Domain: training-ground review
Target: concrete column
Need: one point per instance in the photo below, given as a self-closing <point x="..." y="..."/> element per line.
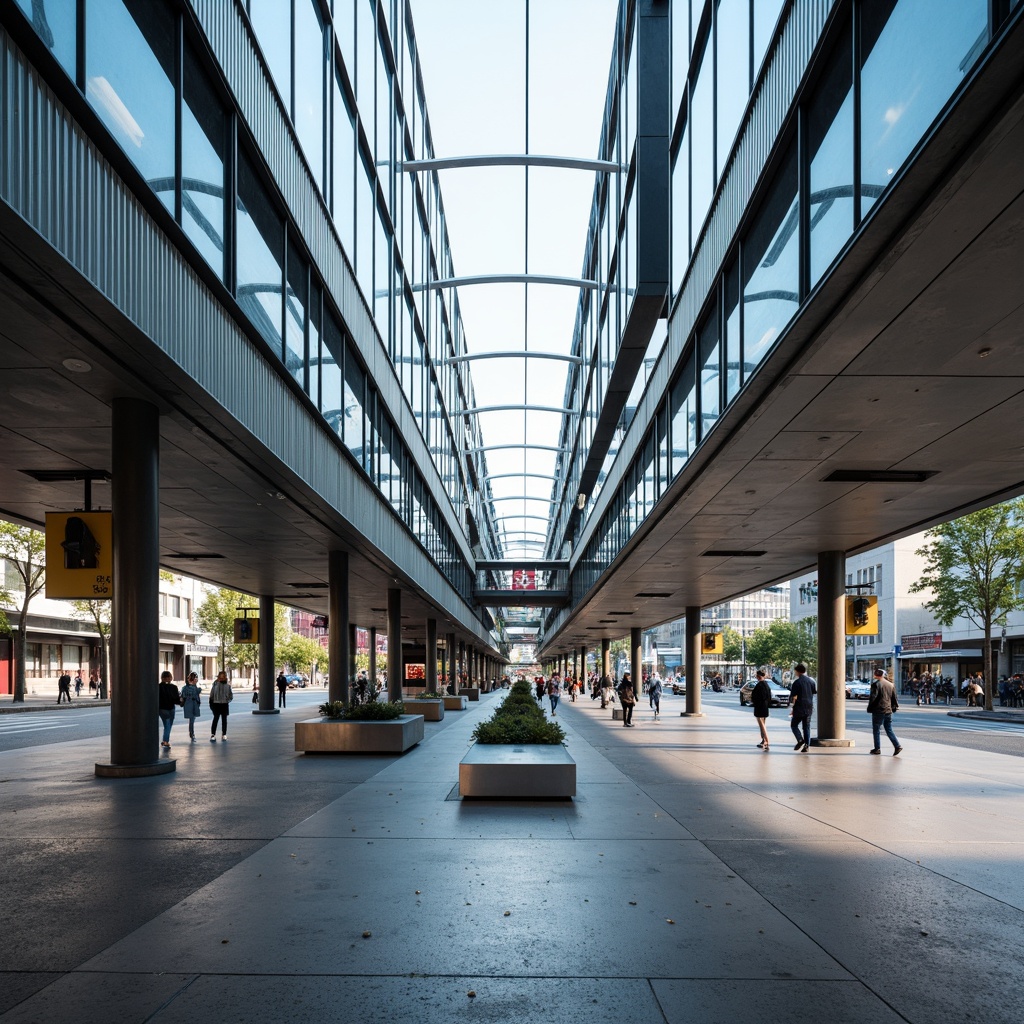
<point x="692" y="657"/>
<point x="452" y="652"/>
<point x="350" y="671"/>
<point x="372" y="671"/>
<point x="135" y="503"/>
<point x="606" y="658"/>
<point x="267" y="676"/>
<point x="636" y="658"/>
<point x="339" y="656"/>
<point x="471" y="665"/>
<point x="583" y="666"/>
<point x="394" y="643"/>
<point x="431" y="679"/>
<point x="831" y="702"/>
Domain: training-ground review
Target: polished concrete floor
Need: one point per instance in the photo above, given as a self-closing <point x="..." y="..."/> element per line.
<point x="693" y="879"/>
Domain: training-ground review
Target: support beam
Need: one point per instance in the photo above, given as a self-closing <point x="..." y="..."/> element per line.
<point x="574" y="163"/>
<point x="453" y="684"/>
<point x="431" y="673"/>
<point x="832" y="650"/>
<point x="394" y="643"/>
<point x="135" y="503"/>
<point x="692" y="656"/>
<point x="338" y="655"/>
<point x="636" y="659"/>
<point x="606" y="659"/>
<point x="267" y="677"/>
<point x="372" y="674"/>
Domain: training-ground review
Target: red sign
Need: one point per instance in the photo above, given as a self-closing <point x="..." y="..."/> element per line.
<point x="524" y="579"/>
<point x="921" y="642"/>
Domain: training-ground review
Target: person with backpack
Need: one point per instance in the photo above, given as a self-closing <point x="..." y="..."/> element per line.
<point x="627" y="697"/>
<point x="554" y="692"/>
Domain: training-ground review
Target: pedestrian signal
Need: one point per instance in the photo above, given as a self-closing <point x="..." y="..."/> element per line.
<point x="711" y="643"/>
<point x="861" y="615"/>
<point x="247" y="631"/>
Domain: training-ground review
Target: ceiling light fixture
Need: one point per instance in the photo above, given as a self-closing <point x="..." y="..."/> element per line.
<point x="76" y="365"/>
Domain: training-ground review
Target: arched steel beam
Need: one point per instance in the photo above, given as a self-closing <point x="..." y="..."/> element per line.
<point x="462" y="282"/>
<point x="522" y="515"/>
<point x="514" y="354"/>
<point x="515" y="408"/>
<point x="499" y="447"/>
<point x="505" y="476"/>
<point x="523" y="497"/>
<point x="573" y="163"/>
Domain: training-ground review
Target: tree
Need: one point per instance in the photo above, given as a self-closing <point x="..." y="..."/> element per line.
<point x="25" y="551"/>
<point x="732" y="644"/>
<point x="300" y="652"/>
<point x="98" y="614"/>
<point x="783" y="643"/>
<point x="217" y="614"/>
<point x="974" y="567"/>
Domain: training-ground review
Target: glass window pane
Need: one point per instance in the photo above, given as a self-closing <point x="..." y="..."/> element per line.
<point x="684" y="418"/>
<point x="260" y="241"/>
<point x="271" y="23"/>
<point x="766" y="17"/>
<point x="296" y="301"/>
<point x="310" y="72"/>
<point x="345" y="31"/>
<point x="355" y="417"/>
<point x="365" y="220"/>
<point x="830" y="151"/>
<point x="702" y="164"/>
<point x="56" y="24"/>
<point x="382" y="280"/>
<point x="332" y="358"/>
<point x="681" y="212"/>
<point x="344" y="199"/>
<point x="680" y="51"/>
<point x="733" y="376"/>
<point x="913" y="61"/>
<point x="203" y="143"/>
<point x="130" y="83"/>
<point x="313" y="360"/>
<point x="384" y="119"/>
<point x="710" y="375"/>
<point x="366" y="46"/>
<point x="770" y="266"/>
<point x="732" y="40"/>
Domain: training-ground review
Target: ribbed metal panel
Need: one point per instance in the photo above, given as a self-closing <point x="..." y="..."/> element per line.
<point x="55" y="179"/>
<point x="774" y="97"/>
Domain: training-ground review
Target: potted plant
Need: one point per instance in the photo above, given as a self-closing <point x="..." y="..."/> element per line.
<point x="429" y="704"/>
<point x="372" y="727"/>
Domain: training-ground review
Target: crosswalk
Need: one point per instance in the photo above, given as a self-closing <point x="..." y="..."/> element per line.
<point x="34" y="722"/>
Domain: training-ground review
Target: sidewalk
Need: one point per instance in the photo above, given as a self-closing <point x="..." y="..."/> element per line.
<point x="693" y="879"/>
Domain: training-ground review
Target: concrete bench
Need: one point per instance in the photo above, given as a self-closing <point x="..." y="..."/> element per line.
<point x="518" y="771"/>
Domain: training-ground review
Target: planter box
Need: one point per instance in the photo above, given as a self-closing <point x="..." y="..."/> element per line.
<point x="517" y="771"/>
<point x="431" y="708"/>
<point x="455" y="703"/>
<point x="471" y="692"/>
<point x="323" y="735"/>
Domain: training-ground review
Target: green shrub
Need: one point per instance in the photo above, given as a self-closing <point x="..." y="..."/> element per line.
<point x="427" y="695"/>
<point x="375" y="711"/>
<point x="519" y="719"/>
<point x="333" y="709"/>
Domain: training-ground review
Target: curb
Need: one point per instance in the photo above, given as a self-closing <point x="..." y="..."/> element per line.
<point x="20" y="709"/>
<point x="989" y="716"/>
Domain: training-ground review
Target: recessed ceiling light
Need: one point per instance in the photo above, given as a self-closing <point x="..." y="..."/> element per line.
<point x="76" y="365"/>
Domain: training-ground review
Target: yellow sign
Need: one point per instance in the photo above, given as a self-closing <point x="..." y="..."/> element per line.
<point x="247" y="631"/>
<point x="79" y="555"/>
<point x="711" y="643"/>
<point x="861" y="615"/>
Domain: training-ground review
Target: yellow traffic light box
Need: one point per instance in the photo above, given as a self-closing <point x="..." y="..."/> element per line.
<point x="711" y="643"/>
<point x="861" y="615"/>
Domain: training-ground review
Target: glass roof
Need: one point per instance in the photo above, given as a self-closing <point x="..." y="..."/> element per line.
<point x="516" y="78"/>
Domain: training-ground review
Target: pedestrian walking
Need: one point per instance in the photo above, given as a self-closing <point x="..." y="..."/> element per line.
<point x="78" y="684"/>
<point x="882" y="704"/>
<point x="761" y="698"/>
<point x="190" y="702"/>
<point x="802" y="707"/>
<point x="627" y="698"/>
<point x="169" y="701"/>
<point x="64" y="687"/>
<point x="654" y="693"/>
<point x="282" y="690"/>
<point x="554" y="692"/>
<point x="221" y="696"/>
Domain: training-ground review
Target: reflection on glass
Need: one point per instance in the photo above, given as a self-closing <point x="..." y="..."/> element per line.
<point x="830" y="148"/>
<point x="310" y="71"/>
<point x="271" y="23"/>
<point x="332" y="357"/>
<point x="382" y="277"/>
<point x="344" y="199"/>
<point x="130" y="83"/>
<point x="56" y="24"/>
<point x="913" y="60"/>
<point x="680" y="51"/>
<point x="365" y="219"/>
<point x="355" y="417"/>
<point x="766" y="17"/>
<point x="732" y="35"/>
<point x="260" y="240"/>
<point x="710" y="374"/>
<point x="733" y="349"/>
<point x="203" y="138"/>
<point x="681" y="212"/>
<point x="313" y="386"/>
<point x="682" y="406"/>
<point x="296" y="300"/>
<point x="702" y="160"/>
<point x="771" y="267"/>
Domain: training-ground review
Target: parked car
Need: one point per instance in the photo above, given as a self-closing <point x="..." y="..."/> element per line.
<point x="678" y="685"/>
<point x="297" y="680"/>
<point x="780" y="694"/>
<point x="857" y="689"/>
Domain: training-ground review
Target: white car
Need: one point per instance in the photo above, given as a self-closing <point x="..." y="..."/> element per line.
<point x="780" y="694"/>
<point x="857" y="689"/>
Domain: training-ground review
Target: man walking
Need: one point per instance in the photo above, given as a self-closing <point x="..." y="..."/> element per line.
<point x="882" y="703"/>
<point x="802" y="707"/>
<point x="64" y="687"/>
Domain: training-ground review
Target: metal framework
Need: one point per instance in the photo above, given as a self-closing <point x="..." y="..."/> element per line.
<point x="523" y="497"/>
<point x="518" y="476"/>
<point x="516" y="408"/>
<point x="572" y="163"/>
<point x="517" y="353"/>
<point x="531" y="447"/>
<point x="462" y="282"/>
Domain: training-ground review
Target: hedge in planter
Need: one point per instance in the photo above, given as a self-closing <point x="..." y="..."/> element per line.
<point x="519" y="720"/>
<point x="371" y="711"/>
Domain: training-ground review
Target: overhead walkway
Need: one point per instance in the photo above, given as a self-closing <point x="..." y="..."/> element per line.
<point x="693" y="879"/>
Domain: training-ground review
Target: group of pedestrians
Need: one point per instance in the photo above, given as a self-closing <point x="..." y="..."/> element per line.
<point x="882" y="704"/>
<point x="189" y="699"/>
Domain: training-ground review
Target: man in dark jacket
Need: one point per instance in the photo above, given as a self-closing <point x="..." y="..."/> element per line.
<point x="802" y="704"/>
<point x="882" y="703"/>
<point x="282" y="690"/>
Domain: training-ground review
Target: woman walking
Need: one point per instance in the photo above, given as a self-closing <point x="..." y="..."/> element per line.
<point x="554" y="692"/>
<point x="761" y="698"/>
<point x="627" y="697"/>
<point x="169" y="699"/>
<point x="190" y="695"/>
<point x="220" y="696"/>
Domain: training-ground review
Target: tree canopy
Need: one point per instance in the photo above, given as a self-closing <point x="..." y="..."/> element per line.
<point x="974" y="568"/>
<point x="783" y="643"/>
<point x="216" y="616"/>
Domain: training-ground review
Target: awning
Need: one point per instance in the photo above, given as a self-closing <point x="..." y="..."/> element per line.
<point x="941" y="655"/>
